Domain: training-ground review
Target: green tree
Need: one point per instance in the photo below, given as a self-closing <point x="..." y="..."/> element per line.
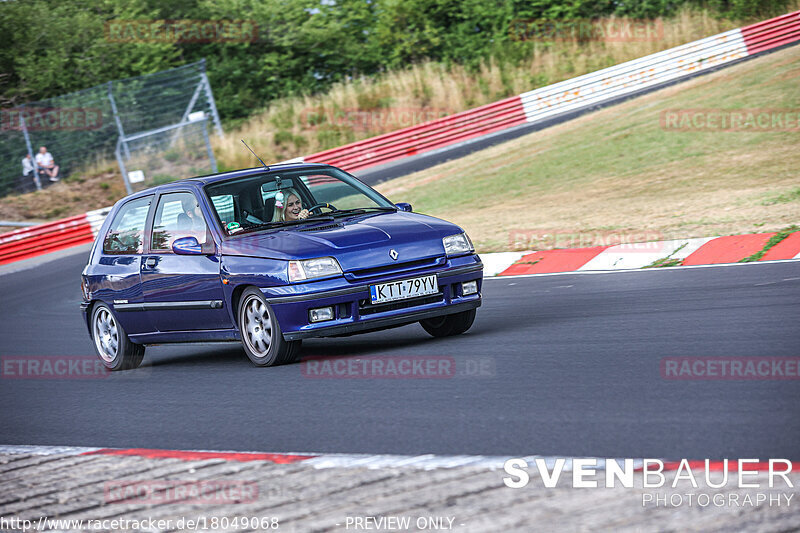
<point x="50" y="48"/>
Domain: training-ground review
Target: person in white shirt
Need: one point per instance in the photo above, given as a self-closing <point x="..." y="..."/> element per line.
<point x="27" y="165"/>
<point x="47" y="166"/>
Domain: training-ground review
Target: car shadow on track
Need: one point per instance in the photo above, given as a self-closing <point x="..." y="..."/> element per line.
<point x="193" y="355"/>
<point x="406" y="340"/>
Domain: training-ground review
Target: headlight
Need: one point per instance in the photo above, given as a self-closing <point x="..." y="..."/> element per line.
<point x="313" y="268"/>
<point x="457" y="244"/>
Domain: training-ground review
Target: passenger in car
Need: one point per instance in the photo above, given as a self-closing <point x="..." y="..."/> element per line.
<point x="191" y="219"/>
<point x="191" y="222"/>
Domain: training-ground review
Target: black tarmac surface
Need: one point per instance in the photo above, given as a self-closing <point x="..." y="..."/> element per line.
<point x="554" y="365"/>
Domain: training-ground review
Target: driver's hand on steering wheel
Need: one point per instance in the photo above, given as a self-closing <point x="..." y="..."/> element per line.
<point x="303" y="214"/>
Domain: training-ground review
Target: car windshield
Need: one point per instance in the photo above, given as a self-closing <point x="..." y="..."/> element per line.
<point x="277" y="199"/>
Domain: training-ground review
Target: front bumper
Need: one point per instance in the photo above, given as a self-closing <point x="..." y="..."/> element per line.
<point x="374" y="324"/>
<point x="354" y="313"/>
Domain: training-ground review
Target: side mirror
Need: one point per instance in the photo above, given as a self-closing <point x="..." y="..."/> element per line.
<point x="404" y="206"/>
<point x="187" y="246"/>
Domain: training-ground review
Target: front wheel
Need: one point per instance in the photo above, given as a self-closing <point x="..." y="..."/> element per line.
<point x="111" y="343"/>
<point x="261" y="334"/>
<point x="444" y="326"/>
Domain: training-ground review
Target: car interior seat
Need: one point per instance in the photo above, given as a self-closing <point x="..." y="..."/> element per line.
<point x="269" y="208"/>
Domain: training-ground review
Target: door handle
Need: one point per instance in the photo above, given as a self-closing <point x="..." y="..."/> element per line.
<point x="150" y="262"/>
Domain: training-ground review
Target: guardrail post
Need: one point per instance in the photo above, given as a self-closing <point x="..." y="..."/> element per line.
<point x="30" y="152"/>
<point x="128" y="188"/>
<point x="119" y="123"/>
<point x="200" y="87"/>
<point x="211" y="103"/>
<point x="208" y="147"/>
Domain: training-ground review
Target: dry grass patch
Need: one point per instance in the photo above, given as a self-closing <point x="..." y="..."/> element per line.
<point x="365" y="107"/>
<point x="73" y="196"/>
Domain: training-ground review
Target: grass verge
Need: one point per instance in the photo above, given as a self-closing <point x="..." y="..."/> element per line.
<point x="618" y="171"/>
<point x="668" y="261"/>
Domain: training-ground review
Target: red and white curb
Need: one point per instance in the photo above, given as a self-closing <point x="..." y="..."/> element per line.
<point x="316" y="460"/>
<point x="369" y="461"/>
<point x="27" y="243"/>
<point x="633" y="256"/>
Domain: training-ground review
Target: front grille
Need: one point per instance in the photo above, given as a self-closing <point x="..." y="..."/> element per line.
<point x="366" y="308"/>
<point x="396" y="268"/>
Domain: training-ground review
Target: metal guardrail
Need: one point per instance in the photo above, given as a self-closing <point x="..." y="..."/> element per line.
<point x="12" y="224"/>
<point x="567" y="96"/>
<point x="424" y="137"/>
<point x="50" y="237"/>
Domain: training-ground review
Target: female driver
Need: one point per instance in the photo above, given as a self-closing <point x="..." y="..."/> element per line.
<point x="288" y="206"/>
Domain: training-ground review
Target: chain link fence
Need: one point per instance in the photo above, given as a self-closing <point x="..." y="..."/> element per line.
<point x="166" y="154"/>
<point x="155" y="125"/>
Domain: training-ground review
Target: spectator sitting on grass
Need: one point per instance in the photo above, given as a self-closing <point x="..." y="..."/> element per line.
<point x="47" y="166"/>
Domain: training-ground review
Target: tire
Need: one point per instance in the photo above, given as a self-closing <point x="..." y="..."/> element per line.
<point x="447" y="325"/>
<point x="112" y="344"/>
<point x="261" y="334"/>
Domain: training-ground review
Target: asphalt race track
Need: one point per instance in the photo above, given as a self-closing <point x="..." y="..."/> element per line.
<point x="570" y="367"/>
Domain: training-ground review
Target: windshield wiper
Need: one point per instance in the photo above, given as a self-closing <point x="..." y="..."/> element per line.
<point x="269" y="225"/>
<point x="361" y="210"/>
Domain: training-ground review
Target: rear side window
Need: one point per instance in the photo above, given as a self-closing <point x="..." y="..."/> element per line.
<point x="126" y="234"/>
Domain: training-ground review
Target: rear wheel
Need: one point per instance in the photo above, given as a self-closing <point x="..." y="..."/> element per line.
<point x="444" y="326"/>
<point x="261" y="334"/>
<point x="111" y="343"/>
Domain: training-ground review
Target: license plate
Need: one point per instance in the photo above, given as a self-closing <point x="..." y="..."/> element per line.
<point x="403" y="289"/>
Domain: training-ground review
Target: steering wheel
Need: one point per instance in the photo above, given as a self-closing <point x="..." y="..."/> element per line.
<point x="320" y="206"/>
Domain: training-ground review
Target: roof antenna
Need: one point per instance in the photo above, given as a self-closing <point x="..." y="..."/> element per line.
<point x="252" y="152"/>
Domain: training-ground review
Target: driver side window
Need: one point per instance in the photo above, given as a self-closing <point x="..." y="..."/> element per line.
<point x="177" y="215"/>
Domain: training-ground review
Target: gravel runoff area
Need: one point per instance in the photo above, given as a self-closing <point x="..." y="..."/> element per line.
<point x="303" y="497"/>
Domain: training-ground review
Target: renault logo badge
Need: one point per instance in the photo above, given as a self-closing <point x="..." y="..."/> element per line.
<point x="393" y="254"/>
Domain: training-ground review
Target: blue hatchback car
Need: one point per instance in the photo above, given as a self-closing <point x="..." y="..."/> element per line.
<point x="270" y="256"/>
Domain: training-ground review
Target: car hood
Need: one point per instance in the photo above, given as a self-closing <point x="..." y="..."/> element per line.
<point x="357" y="242"/>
